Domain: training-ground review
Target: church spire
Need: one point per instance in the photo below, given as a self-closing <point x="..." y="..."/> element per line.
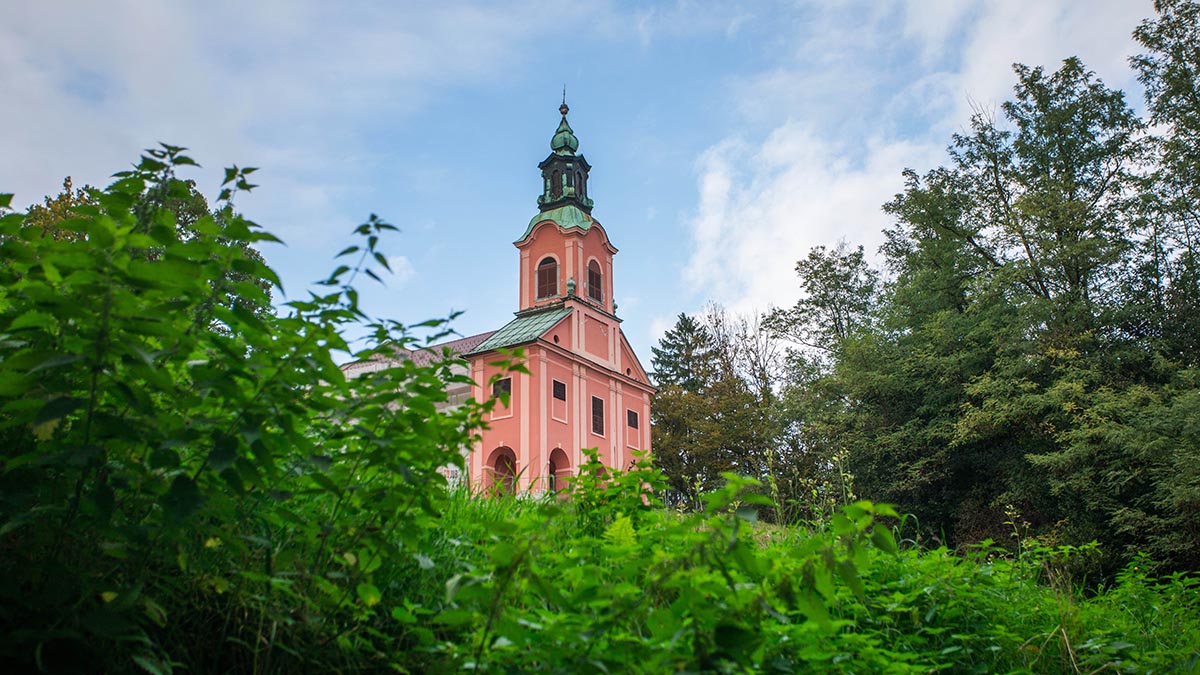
<point x="564" y="173"/>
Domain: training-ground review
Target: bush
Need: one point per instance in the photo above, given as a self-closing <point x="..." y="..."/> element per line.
<point x="180" y="472"/>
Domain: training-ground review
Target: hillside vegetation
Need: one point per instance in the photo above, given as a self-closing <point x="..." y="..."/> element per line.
<point x="985" y="460"/>
<point x="189" y="484"/>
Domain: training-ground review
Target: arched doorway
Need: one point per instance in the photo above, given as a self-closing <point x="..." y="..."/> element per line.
<point x="500" y="472"/>
<point x="558" y="471"/>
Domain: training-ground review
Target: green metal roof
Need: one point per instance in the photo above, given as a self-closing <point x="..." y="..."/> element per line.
<point x="566" y="217"/>
<point x="564" y="141"/>
<point x="522" y="329"/>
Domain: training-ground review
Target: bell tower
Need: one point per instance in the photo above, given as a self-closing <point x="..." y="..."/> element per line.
<point x="565" y="254"/>
<point x="564" y="173"/>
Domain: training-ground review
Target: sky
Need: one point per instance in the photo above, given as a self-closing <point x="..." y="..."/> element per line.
<point x="726" y="139"/>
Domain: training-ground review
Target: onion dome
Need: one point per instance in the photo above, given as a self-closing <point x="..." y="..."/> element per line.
<point x="564" y="141"/>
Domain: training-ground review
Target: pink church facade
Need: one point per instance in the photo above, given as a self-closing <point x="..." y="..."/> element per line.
<point x="585" y="387"/>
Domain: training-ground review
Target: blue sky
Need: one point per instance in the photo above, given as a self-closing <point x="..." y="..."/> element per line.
<point x="726" y="139"/>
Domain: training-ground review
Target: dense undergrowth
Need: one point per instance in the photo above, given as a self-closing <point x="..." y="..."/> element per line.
<point x="191" y="485"/>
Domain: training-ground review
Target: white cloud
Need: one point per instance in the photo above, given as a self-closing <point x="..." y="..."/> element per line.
<point x="402" y="270"/>
<point x="658" y="327"/>
<point x="843" y="125"/>
<point x="88" y="85"/>
<point x="801" y="192"/>
<point x="683" y="17"/>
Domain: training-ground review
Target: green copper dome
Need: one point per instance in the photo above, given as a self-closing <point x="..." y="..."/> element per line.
<point x="567" y="217"/>
<point x="564" y="141"/>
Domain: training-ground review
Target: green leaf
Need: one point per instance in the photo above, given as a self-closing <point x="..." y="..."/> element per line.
<point x="223" y="454"/>
<point x="747" y="513"/>
<point x="883" y="540"/>
<point x="326" y="483"/>
<point x="454" y="617"/>
<point x="841" y="524"/>
<point x="164" y="458"/>
<point x="51" y="272"/>
<point x="55" y="361"/>
<point x="503" y="553"/>
<point x="182" y="499"/>
<point x="369" y="594"/>
<point x="849" y="575"/>
<point x="152" y="664"/>
<point x="57" y="409"/>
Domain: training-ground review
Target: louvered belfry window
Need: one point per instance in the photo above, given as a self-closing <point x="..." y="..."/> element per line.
<point x="547" y="278"/>
<point x="595" y="282"/>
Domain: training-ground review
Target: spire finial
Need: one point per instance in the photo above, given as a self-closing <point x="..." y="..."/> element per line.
<point x="563" y="108"/>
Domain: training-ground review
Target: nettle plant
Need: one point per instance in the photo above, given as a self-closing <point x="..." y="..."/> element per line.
<point x="185" y="477"/>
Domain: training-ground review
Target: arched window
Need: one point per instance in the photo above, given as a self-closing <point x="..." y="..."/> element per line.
<point x="579" y="185"/>
<point x="556" y="184"/>
<point x="547" y="278"/>
<point x="595" y="282"/>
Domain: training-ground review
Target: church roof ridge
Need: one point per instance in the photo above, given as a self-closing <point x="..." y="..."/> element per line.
<point x="423" y="355"/>
<point x="526" y="327"/>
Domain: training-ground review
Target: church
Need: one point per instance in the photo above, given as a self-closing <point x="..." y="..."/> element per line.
<point x="585" y="387"/>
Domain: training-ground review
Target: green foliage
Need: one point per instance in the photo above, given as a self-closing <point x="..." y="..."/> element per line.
<point x="1036" y="344"/>
<point x="838" y="292"/>
<point x="607" y="581"/>
<point x="684" y="356"/>
<point x="162" y="478"/>
<point x="179" y="494"/>
<point x="709" y="417"/>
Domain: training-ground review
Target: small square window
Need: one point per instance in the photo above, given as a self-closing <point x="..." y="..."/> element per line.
<point x="597" y="416"/>
<point x="502" y="386"/>
<point x="560" y="390"/>
<point x="632" y="418"/>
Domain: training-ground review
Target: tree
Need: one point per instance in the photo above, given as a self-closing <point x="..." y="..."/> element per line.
<point x="1170" y="71"/>
<point x="684" y="356"/>
<point x="188" y="209"/>
<point x="711" y="415"/>
<point x="49" y="215"/>
<point x="838" y="291"/>
<point x="1007" y="294"/>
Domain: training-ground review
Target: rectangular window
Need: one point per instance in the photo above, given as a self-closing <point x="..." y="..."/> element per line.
<point x="597" y="416"/>
<point x="560" y="390"/>
<point x="631" y="416"/>
<point x="502" y="386"/>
